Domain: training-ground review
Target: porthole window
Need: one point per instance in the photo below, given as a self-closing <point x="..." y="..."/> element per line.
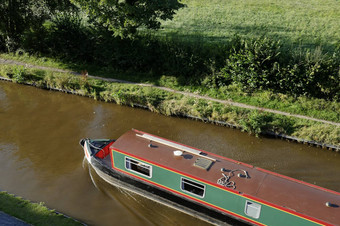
<point x="192" y="187"/>
<point x="138" y="167"/>
<point x="252" y="209"/>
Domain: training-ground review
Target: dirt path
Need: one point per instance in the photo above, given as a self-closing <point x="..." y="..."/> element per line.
<point x="6" y="219"/>
<point x="4" y="61"/>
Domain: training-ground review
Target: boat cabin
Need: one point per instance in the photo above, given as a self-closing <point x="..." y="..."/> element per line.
<point x="236" y="189"/>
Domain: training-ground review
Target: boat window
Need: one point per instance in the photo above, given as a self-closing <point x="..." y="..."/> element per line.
<point x="252" y="209"/>
<point x="138" y="167"/>
<point x="192" y="187"/>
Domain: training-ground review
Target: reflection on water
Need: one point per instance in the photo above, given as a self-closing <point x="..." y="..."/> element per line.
<point x="40" y="158"/>
<point x="146" y="211"/>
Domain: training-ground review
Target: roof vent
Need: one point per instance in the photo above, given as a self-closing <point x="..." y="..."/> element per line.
<point x="178" y="153"/>
<point x="203" y="163"/>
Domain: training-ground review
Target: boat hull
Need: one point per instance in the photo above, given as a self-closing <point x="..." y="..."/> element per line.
<point x="164" y="197"/>
<point x="149" y="165"/>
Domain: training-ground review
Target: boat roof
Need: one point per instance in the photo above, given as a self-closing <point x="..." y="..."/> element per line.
<point x="252" y="182"/>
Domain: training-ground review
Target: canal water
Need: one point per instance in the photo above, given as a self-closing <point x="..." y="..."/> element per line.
<point x="41" y="160"/>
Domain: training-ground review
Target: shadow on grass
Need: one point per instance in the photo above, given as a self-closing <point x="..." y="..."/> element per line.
<point x="275" y="33"/>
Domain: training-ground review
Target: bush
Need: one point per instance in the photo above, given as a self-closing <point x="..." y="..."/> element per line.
<point x="2" y="43"/>
<point x="256" y="65"/>
<point x="156" y="56"/>
<point x="37" y="41"/>
<point x="257" y="122"/>
<point x="69" y="37"/>
<point x="251" y="64"/>
<point x="19" y="74"/>
<point x="314" y="74"/>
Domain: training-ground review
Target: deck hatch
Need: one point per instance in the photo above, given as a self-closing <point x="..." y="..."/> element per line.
<point x="203" y="163"/>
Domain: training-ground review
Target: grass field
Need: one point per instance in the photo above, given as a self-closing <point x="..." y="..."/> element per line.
<point x="297" y="23"/>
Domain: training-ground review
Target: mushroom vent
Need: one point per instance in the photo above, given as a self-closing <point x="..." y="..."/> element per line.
<point x="203" y="163"/>
<point x="178" y="153"/>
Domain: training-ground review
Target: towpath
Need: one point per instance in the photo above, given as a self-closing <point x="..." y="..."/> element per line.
<point x="232" y="103"/>
<point x="7" y="220"/>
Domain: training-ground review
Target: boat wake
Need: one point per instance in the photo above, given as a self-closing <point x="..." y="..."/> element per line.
<point x="147" y="209"/>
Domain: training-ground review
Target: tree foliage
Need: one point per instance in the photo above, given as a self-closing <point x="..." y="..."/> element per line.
<point x="123" y="17"/>
<point x="20" y="16"/>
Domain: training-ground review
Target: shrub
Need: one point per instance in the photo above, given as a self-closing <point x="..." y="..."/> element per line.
<point x="19" y="73"/>
<point x="257" y="122"/>
<point x="312" y="74"/>
<point x="250" y="64"/>
<point x="256" y="65"/>
<point x="69" y="37"/>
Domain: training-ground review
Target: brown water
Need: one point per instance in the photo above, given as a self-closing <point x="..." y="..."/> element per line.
<point x="40" y="158"/>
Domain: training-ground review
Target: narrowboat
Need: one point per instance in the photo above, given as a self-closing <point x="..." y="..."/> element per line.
<point x="207" y="185"/>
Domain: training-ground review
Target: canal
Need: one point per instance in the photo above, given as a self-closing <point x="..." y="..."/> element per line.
<point x="41" y="160"/>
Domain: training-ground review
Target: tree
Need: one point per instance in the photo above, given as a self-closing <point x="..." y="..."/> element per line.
<point x="123" y="17"/>
<point x="20" y="16"/>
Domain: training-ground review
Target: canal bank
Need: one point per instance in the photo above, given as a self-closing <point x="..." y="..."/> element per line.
<point x="17" y="211"/>
<point x="292" y="127"/>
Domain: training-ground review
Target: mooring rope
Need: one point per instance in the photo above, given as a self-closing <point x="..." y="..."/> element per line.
<point x="225" y="180"/>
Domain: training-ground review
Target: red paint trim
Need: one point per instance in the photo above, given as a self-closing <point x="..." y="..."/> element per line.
<point x="286" y="210"/>
<point x="104" y="151"/>
<point x="189" y="197"/>
<point x="209" y="153"/>
<point x="112" y="160"/>
<point x="250" y="166"/>
<point x="223" y="188"/>
<point x="298" y="181"/>
<point x="176" y="171"/>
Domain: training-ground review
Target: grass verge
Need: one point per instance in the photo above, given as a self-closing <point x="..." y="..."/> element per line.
<point x="32" y="213"/>
<point x="312" y="107"/>
<point x="174" y="104"/>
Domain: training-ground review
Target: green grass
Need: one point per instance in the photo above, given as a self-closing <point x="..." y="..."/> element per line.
<point x="297" y="23"/>
<point x="312" y="107"/>
<point x="106" y="72"/>
<point x="174" y="104"/>
<point x="25" y="57"/>
<point x="32" y="213"/>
